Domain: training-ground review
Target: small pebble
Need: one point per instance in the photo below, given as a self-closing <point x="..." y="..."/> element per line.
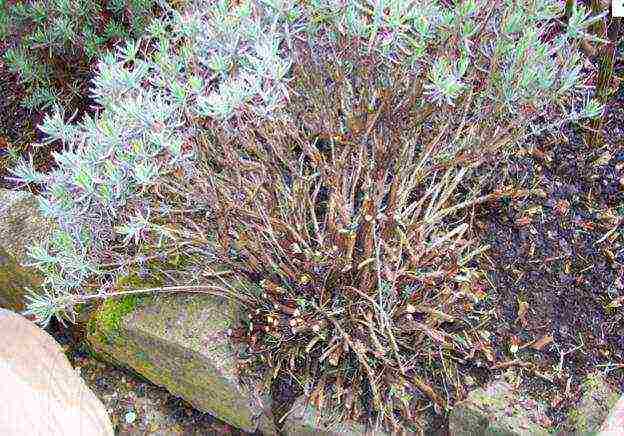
<point x="130" y="417"/>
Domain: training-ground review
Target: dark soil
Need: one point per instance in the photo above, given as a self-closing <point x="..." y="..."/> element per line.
<point x="556" y="262"/>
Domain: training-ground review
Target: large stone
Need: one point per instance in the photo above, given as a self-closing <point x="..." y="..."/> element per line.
<point x="40" y="391"/>
<point x="498" y="409"/>
<point x="181" y="342"/>
<point x="304" y="420"/>
<point x="597" y="400"/>
<point x="21" y="224"/>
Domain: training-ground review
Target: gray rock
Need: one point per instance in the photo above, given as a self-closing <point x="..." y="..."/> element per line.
<point x="498" y="409"/>
<point x="21" y="224"/>
<point x="181" y="342"/>
<point x="41" y="393"/>
<point x="598" y="398"/>
<point x="304" y="420"/>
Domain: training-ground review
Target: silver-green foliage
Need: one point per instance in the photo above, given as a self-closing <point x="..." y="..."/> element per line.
<point x="51" y="43"/>
<point x="483" y="69"/>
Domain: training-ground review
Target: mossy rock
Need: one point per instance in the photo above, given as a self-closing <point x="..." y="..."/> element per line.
<point x="181" y="342"/>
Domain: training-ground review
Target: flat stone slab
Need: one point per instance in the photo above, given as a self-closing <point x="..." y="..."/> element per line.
<point x="181" y="342"/>
<point x="498" y="409"/>
<point x="40" y="391"/>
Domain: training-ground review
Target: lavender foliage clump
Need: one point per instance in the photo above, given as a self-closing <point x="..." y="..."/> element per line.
<point x="122" y="184"/>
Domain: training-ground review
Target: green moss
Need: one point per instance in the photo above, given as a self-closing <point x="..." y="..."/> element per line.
<point x="105" y="323"/>
<point x="485" y="399"/>
<point x="576" y="419"/>
<point x="103" y="326"/>
<point x="592" y="382"/>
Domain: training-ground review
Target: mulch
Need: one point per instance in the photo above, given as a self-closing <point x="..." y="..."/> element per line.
<point x="556" y="262"/>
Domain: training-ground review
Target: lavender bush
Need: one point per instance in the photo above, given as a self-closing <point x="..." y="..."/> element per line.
<point x="318" y="150"/>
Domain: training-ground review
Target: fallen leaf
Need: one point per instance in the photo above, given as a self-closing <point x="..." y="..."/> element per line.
<point x="539" y="153"/>
<point x="609" y="255"/>
<point x="562" y="207"/>
<point x="542" y="342"/>
<point x="609" y="217"/>
<point x="603" y="159"/>
<point x="616" y="303"/>
<point x="523" y="308"/>
<point x="515" y="345"/>
<point x="489" y="354"/>
<point x="556" y="401"/>
<point x="586" y="225"/>
<point x="545" y="421"/>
